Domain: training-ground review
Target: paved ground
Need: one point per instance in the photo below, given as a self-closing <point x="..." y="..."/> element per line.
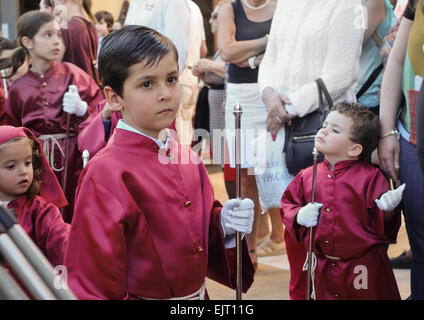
<point x="273" y="275"/>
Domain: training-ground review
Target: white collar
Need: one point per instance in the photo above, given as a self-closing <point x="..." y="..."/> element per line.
<point x="122" y="125"/>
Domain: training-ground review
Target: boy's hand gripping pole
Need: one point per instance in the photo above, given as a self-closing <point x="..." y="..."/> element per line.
<point x="237" y="114"/>
<point x="314" y="182"/>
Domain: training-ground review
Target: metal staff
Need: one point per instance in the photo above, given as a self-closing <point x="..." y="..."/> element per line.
<point x="314" y="182"/>
<point x="237" y="114"/>
<point x="30" y="252"/>
<point x="72" y="88"/>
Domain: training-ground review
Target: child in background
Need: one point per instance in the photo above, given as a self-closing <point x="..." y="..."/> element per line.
<point x="354" y="214"/>
<point x="104" y="23"/>
<point x="146" y="223"/>
<point x="28" y="185"/>
<point x="40" y="101"/>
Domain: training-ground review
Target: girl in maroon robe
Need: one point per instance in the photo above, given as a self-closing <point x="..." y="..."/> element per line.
<point x="357" y="215"/>
<point x="79" y="34"/>
<point x="36" y="100"/>
<point x="28" y="185"/>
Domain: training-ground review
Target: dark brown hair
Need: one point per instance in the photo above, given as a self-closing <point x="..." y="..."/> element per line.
<point x="86" y="4"/>
<point x="28" y="25"/>
<point x="106" y="16"/>
<point x="365" y="126"/>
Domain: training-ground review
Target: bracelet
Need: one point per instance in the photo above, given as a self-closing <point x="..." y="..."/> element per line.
<point x="394" y="132"/>
<point x="252" y="62"/>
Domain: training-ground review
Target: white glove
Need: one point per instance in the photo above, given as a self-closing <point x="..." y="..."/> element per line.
<point x="237" y="216"/>
<point x="391" y="199"/>
<point x="308" y="215"/>
<point x="72" y="102"/>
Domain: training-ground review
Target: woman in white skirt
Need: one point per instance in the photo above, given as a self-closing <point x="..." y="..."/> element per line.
<point x="243" y="28"/>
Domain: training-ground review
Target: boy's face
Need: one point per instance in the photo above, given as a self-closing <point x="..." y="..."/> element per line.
<point x="102" y="29"/>
<point x="150" y="96"/>
<point x="333" y="139"/>
<point x="16" y="171"/>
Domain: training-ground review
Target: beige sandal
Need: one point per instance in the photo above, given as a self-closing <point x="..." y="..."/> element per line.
<point x="270" y="248"/>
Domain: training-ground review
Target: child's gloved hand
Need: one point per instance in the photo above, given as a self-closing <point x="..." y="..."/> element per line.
<point x="72" y="102"/>
<point x="308" y="215"/>
<point x="237" y="216"/>
<point x="391" y="199"/>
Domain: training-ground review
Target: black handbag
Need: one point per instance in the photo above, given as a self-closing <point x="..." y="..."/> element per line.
<point x="300" y="133"/>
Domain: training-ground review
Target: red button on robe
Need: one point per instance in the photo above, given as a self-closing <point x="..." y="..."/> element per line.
<point x="350" y="227"/>
<point x="36" y="103"/>
<point x="145" y="228"/>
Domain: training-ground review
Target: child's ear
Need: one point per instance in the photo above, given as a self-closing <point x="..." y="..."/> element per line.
<point x="355" y="150"/>
<point x="27" y="43"/>
<point x="113" y="99"/>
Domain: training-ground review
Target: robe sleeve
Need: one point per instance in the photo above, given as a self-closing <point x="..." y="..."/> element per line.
<point x="92" y="137"/>
<point x="2" y="106"/>
<point x="96" y="255"/>
<point x="12" y="116"/>
<point x="88" y="90"/>
<point x="291" y="202"/>
<point x="222" y="262"/>
<point x="51" y="232"/>
<point x="376" y="188"/>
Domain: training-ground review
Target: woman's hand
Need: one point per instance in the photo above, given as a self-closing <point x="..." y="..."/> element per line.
<point x="275" y="105"/>
<point x="388" y="153"/>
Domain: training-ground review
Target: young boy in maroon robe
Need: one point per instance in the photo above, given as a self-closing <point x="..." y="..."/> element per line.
<point x="146" y="223"/>
<point x="354" y="213"/>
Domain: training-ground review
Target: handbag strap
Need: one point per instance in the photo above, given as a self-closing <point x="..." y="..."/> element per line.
<point x="323" y="89"/>
<point x="370" y="80"/>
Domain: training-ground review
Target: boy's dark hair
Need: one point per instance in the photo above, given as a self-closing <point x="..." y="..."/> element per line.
<point x="106" y="16"/>
<point x="365" y="127"/>
<point x="128" y="46"/>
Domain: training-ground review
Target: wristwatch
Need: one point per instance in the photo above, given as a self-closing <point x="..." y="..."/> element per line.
<point x="252" y="62"/>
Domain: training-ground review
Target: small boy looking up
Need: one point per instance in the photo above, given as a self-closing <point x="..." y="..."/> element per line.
<point x="353" y="214"/>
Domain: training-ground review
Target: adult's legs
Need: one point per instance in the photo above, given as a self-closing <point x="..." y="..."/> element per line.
<point x="413" y="211"/>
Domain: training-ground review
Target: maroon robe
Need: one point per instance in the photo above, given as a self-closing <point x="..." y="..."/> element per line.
<point x="76" y="37"/>
<point x="43" y="223"/>
<point x="350" y="227"/>
<point x="2" y="105"/>
<point x="146" y="229"/>
<point x="36" y="103"/>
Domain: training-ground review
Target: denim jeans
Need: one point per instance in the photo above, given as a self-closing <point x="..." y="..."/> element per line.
<point x="413" y="198"/>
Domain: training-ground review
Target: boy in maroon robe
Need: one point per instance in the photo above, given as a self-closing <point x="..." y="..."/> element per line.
<point x="146" y="223"/>
<point x="354" y="214"/>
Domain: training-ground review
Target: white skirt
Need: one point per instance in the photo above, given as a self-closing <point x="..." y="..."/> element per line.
<point x="253" y="121"/>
